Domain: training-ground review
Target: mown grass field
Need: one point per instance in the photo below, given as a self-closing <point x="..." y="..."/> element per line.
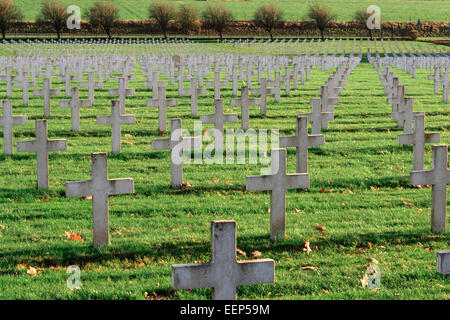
<point x="391" y="10"/>
<point x="359" y="191"/>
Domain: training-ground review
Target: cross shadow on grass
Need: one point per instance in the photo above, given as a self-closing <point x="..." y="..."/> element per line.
<point x="83" y="253"/>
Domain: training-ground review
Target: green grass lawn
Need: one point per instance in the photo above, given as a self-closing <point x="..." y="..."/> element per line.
<point x="391" y="10"/>
<point x="359" y="191"/>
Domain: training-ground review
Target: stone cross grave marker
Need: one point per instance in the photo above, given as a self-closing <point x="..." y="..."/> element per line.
<point x="154" y="84"/>
<point x="75" y="104"/>
<point x="263" y="91"/>
<point x="42" y="146"/>
<point x="278" y="182"/>
<point x="90" y="84"/>
<point x="405" y="115"/>
<point x="8" y="78"/>
<point x="100" y="188"/>
<point x="276" y="84"/>
<point x="25" y="85"/>
<point x="436" y="78"/>
<point x="218" y="118"/>
<point x="327" y="101"/>
<point x="302" y="141"/>
<point x="445" y="86"/>
<point x="216" y="84"/>
<point x="443" y="262"/>
<point x="46" y="92"/>
<point x="223" y="273"/>
<point x="439" y="178"/>
<point x="181" y="78"/>
<point x="122" y="92"/>
<point x="418" y="139"/>
<point x="193" y="91"/>
<point x="7" y="121"/>
<point x="245" y="102"/>
<point x="318" y="118"/>
<point x="116" y="119"/>
<point x="67" y="77"/>
<point x="176" y="144"/>
<point x="162" y="103"/>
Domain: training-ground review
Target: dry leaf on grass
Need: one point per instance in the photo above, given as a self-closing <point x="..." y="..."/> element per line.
<point x="309" y="268"/>
<point x="242" y="253"/>
<point x="255" y="254"/>
<point x="320" y="228"/>
<point x="185" y="185"/>
<point x="73" y="236"/>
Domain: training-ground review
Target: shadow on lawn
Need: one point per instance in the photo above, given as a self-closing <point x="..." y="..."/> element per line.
<point x="83" y="253"/>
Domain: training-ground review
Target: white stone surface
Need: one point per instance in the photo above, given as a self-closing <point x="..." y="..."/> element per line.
<point x="8" y="121"/>
<point x="42" y="146"/>
<point x="223" y="273"/>
<point x="439" y="178"/>
<point x="278" y="182"/>
<point x="100" y="188"/>
<point x="116" y="119"/>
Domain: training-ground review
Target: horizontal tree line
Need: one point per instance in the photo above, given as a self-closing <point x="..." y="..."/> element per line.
<point x="187" y="19"/>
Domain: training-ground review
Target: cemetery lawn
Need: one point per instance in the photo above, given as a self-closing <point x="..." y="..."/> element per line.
<point x="359" y="192"/>
<point x="391" y="10"/>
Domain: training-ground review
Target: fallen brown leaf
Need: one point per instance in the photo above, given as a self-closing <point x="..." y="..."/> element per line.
<point x="73" y="236"/>
<point x="255" y="254"/>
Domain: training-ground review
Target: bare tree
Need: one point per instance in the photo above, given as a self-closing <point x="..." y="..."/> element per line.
<point x="268" y="16"/>
<point x="188" y="18"/>
<point x="217" y="17"/>
<point x="8" y="13"/>
<point x="55" y="13"/>
<point x="322" y="15"/>
<point x="162" y="12"/>
<point x="104" y="14"/>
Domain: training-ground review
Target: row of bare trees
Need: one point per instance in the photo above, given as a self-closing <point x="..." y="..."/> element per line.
<point x="104" y="14"/>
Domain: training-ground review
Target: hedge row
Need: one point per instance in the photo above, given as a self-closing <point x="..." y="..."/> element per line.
<point x="245" y="28"/>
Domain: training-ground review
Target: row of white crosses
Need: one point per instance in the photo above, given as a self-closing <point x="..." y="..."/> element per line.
<point x="439" y="175"/>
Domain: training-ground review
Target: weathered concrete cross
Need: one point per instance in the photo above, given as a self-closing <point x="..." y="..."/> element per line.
<point x="418" y="138"/>
<point x="7" y="121"/>
<point x="439" y="178"/>
<point x="193" y="91"/>
<point x="116" y="119"/>
<point x="443" y="262"/>
<point x="436" y="78"/>
<point x="100" y="188"/>
<point x="67" y="77"/>
<point x="154" y="84"/>
<point x="46" y="92"/>
<point x="218" y="118"/>
<point x="217" y="84"/>
<point x="176" y="144"/>
<point x="162" y="103"/>
<point x="263" y="91"/>
<point x="245" y="102"/>
<point x="90" y="84"/>
<point x="302" y="141"/>
<point x="223" y="273"/>
<point x="9" y="78"/>
<point x="318" y="118"/>
<point x="42" y="146"/>
<point x="25" y="85"/>
<point x="122" y="92"/>
<point x="278" y="182"/>
<point x="405" y="114"/>
<point x="75" y="104"/>
<point x="327" y="101"/>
